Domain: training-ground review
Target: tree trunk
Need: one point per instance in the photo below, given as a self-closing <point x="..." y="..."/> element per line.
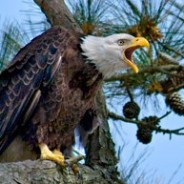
<point x="101" y="162"/>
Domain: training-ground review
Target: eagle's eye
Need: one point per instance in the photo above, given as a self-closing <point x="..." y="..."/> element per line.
<point x="121" y="42"/>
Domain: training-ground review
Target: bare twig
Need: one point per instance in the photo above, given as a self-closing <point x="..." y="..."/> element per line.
<point x="166" y="114"/>
<point x="130" y="94"/>
<point x="74" y="160"/>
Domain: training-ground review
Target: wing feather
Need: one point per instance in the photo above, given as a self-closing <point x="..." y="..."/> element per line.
<point x="32" y="68"/>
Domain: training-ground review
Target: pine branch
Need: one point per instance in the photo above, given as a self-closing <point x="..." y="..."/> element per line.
<point x="168" y="58"/>
<point x="178" y="131"/>
<point x="148" y="70"/>
<point x="36" y="171"/>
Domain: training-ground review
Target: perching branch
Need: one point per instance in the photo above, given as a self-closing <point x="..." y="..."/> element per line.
<point x="178" y="131"/>
<point x="47" y="172"/>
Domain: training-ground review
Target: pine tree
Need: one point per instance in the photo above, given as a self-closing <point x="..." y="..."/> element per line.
<point x="161" y="71"/>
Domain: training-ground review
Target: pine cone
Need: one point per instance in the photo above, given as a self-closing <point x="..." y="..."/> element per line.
<point x="154" y="120"/>
<point x="131" y="110"/>
<point x="144" y="134"/>
<point x="175" y="102"/>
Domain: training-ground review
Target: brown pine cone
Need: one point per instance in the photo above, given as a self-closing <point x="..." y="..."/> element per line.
<point x="131" y="110"/>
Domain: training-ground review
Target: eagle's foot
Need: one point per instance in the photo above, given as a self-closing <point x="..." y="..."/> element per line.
<point x="55" y="156"/>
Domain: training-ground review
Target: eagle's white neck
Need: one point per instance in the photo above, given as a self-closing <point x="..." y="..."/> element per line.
<point x="96" y="50"/>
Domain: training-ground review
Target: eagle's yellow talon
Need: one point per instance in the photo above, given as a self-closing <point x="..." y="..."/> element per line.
<point x="57" y="152"/>
<point x="55" y="156"/>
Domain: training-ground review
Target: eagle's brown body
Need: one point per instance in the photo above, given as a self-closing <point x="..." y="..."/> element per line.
<point x="50" y="89"/>
<point x="47" y="91"/>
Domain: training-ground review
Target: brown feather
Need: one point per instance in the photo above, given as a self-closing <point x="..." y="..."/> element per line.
<point x="53" y="65"/>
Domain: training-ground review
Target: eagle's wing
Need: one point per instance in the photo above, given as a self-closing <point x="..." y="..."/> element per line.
<point x="20" y="85"/>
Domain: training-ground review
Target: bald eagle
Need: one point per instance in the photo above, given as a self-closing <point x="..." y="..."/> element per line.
<point x="49" y="90"/>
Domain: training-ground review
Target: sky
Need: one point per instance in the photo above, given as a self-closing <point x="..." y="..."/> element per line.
<point x="165" y="155"/>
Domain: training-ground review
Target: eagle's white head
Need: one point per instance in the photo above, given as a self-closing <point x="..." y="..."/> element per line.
<point x="112" y="53"/>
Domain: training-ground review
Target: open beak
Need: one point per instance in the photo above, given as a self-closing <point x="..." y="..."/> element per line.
<point x="136" y="43"/>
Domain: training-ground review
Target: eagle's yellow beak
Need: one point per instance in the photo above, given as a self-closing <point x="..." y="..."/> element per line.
<point x="135" y="44"/>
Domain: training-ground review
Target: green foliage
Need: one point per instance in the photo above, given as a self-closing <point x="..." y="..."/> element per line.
<point x="36" y="22"/>
<point x="14" y="36"/>
<point x="173" y="30"/>
<point x="90" y="15"/>
<point x="12" y="39"/>
<point x="162" y="23"/>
